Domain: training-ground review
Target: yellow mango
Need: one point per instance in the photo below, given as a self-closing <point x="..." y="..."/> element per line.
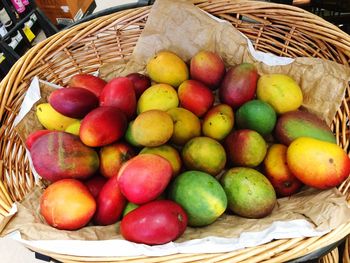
<point x="280" y="91"/>
<point x="317" y="163"/>
<point x="51" y="119"/>
<point x="166" y="67"/>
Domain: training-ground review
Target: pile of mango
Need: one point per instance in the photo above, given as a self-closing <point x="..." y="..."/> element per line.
<point x="177" y="147"/>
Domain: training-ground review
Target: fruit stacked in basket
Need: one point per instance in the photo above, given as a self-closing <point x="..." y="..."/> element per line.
<point x="178" y="146"/>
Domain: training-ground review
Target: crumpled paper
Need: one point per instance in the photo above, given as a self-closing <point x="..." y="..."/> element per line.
<point x="181" y="27"/>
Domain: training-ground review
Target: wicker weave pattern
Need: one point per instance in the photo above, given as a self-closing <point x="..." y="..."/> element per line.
<point x="279" y="29"/>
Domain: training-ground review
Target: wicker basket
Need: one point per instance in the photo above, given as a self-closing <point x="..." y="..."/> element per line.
<point x="279" y="29"/>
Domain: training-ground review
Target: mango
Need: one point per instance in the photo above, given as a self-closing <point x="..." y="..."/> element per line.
<point x="129" y="136"/>
<point x="73" y="102"/>
<point x="294" y="124"/>
<point x="89" y="82"/>
<point x="245" y="148"/>
<point x="168" y="152"/>
<point x="67" y="205"/>
<point x="195" y="97"/>
<point x="158" y="97"/>
<point x="249" y="193"/>
<point x="119" y="92"/>
<point x="52" y="119"/>
<point x="218" y="122"/>
<point x="317" y="163"/>
<point x="102" y="126"/>
<point x="144" y="177"/>
<point x="166" y="67"/>
<point x="208" y="68"/>
<point x="60" y="155"/>
<point x="140" y="81"/>
<point x="113" y="156"/>
<point x="152" y="128"/>
<point x="186" y="125"/>
<point x="239" y="85"/>
<point x="277" y="171"/>
<point x="74" y="128"/>
<point x="204" y="154"/>
<point x="281" y="91"/>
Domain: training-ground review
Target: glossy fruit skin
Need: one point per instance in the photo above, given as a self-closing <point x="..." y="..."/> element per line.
<point x="113" y="156"/>
<point x="239" y="85"/>
<point x="73" y="102"/>
<point x="59" y="155"/>
<point x="249" y="193"/>
<point x="89" y="82"/>
<point x="277" y="171"/>
<point x="168" y="152"/>
<point x="208" y="68"/>
<point x="110" y="203"/>
<point x="102" y="126"/>
<point x="51" y="119"/>
<point x="166" y="67"/>
<point x="218" y="122"/>
<point x="200" y="195"/>
<point x="152" y="128"/>
<point x="245" y="148"/>
<point x="186" y="125"/>
<point x="34" y="136"/>
<point x="140" y="81"/>
<point x="95" y="184"/>
<point x="144" y="177"/>
<point x="67" y="204"/>
<point x="294" y="124"/>
<point x="158" y="97"/>
<point x="317" y="163"/>
<point x="157" y="222"/>
<point x="195" y="97"/>
<point x="119" y="92"/>
<point x="256" y="115"/>
<point x="281" y="91"/>
<point x="204" y="154"/>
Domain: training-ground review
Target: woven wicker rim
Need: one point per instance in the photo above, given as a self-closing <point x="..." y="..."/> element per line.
<point x="280" y="29"/>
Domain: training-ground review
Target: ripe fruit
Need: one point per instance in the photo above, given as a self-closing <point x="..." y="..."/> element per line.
<point x="218" y="122"/>
<point x="166" y="67"/>
<point x="186" y="125"/>
<point x="249" y="193"/>
<point x="119" y="92"/>
<point x="129" y="136"/>
<point x="89" y="82"/>
<point x="201" y="196"/>
<point x="52" y="119"/>
<point x="256" y="115"/>
<point x="59" y="155"/>
<point x="168" y="152"/>
<point x="208" y="68"/>
<point x="294" y="124"/>
<point x="318" y="163"/>
<point x="67" y="204"/>
<point x="34" y="136"/>
<point x="74" y="128"/>
<point x="73" y="102"/>
<point x="102" y="126"/>
<point x="239" y="85"/>
<point x="144" y="177"/>
<point x="204" y="154"/>
<point x="277" y="171"/>
<point x="95" y="184"/>
<point x="113" y="156"/>
<point x="246" y="148"/>
<point x="280" y="91"/>
<point x="195" y="97"/>
<point x="152" y="128"/>
<point x="110" y="203"/>
<point x="158" y="97"/>
<point x="140" y="81"/>
<point x="154" y="223"/>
